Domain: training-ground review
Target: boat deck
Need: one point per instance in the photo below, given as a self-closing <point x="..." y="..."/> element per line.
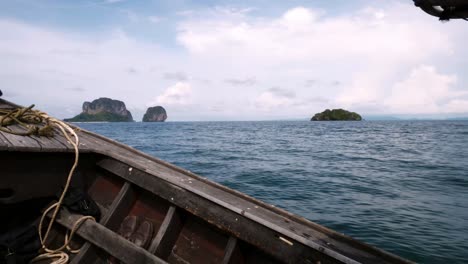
<point x="285" y="236"/>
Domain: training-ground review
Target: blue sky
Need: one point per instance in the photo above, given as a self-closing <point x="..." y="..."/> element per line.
<point x="234" y="60"/>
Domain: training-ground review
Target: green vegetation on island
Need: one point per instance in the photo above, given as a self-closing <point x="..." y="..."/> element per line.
<point x="103" y="110"/>
<point x="99" y="117"/>
<point x="336" y="115"/>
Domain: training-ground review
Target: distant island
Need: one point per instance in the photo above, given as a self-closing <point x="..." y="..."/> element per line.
<point x="336" y="115"/>
<point x="103" y="110"/>
<point x="155" y="114"/>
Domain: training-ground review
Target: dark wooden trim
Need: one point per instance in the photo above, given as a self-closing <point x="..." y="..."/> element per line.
<point x="7" y="104"/>
<point x="84" y="146"/>
<point x="236" y="204"/>
<point x="4" y="143"/>
<point x="64" y="146"/>
<point x="44" y="143"/>
<point x="230" y="222"/>
<point x="120" y="207"/>
<point x="86" y="255"/>
<point x="58" y="136"/>
<point x="108" y="240"/>
<point x="217" y="203"/>
<point x="232" y="253"/>
<point x="292" y="227"/>
<point x="49" y="144"/>
<point x="111" y="219"/>
<point x="32" y="143"/>
<point x="167" y="235"/>
<point x="21" y="142"/>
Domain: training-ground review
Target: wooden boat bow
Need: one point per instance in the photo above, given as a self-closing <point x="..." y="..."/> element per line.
<point x="196" y="220"/>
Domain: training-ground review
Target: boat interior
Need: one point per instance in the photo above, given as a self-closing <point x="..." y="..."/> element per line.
<point x="178" y="237"/>
<point x="192" y="219"/>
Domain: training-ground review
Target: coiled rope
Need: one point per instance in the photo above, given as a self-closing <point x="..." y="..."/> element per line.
<point x="39" y="123"/>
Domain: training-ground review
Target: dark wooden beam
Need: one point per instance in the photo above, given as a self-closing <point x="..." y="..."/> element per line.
<point x="21" y="142"/>
<point x="46" y="144"/>
<point x="108" y="240"/>
<point x="4" y="143"/>
<point x="228" y="221"/>
<point x="168" y="233"/>
<point x="49" y="144"/>
<point x="120" y="207"/>
<point x="232" y="253"/>
<point x="111" y="219"/>
<point x="86" y="255"/>
<point x="293" y="229"/>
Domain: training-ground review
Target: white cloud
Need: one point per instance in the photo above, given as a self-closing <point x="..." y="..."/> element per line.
<point x="42" y="65"/>
<point x="302" y="34"/>
<point x="426" y="91"/>
<point x="369" y="51"/>
<point x="375" y="54"/>
<point x="274" y="98"/>
<point x="298" y="19"/>
<point x="177" y="94"/>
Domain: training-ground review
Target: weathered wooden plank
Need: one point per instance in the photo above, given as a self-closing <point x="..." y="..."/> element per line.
<point x="111" y="219"/>
<point x="21" y="142"/>
<point x="183" y="179"/>
<point x="288" y="229"/>
<point x="85" y="143"/>
<point x="4" y="143"/>
<point x="167" y="234"/>
<point x="86" y="255"/>
<point x="4" y="105"/>
<point x="108" y="240"/>
<point x="291" y="227"/>
<point x="58" y="137"/>
<point x="198" y="242"/>
<point x="120" y="207"/>
<point x="83" y="146"/>
<point x="232" y="253"/>
<point x="285" y="227"/>
<point x="227" y="220"/>
<point x="65" y="146"/>
<point x="8" y="104"/>
<point x="48" y="144"/>
<point x="45" y="144"/>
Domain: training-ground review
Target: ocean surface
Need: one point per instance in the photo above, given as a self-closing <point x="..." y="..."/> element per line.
<point x="399" y="185"/>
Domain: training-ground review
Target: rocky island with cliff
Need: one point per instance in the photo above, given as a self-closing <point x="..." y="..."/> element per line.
<point x="336" y="115"/>
<point x="155" y="114"/>
<point x="103" y="110"/>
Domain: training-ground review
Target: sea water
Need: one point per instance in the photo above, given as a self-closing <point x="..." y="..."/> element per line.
<point x="399" y="185"/>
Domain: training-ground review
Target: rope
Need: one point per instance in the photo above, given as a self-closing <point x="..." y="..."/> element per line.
<point x="31" y="120"/>
<point x="40" y="124"/>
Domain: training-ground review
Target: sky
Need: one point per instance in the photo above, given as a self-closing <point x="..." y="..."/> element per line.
<point x="234" y="60"/>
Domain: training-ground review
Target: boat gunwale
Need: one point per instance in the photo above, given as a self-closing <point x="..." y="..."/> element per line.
<point x="377" y="252"/>
<point x="280" y="211"/>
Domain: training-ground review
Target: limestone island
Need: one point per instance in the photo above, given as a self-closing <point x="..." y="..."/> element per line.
<point x="336" y="115"/>
<point x="103" y="110"/>
<point x="155" y="114"/>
